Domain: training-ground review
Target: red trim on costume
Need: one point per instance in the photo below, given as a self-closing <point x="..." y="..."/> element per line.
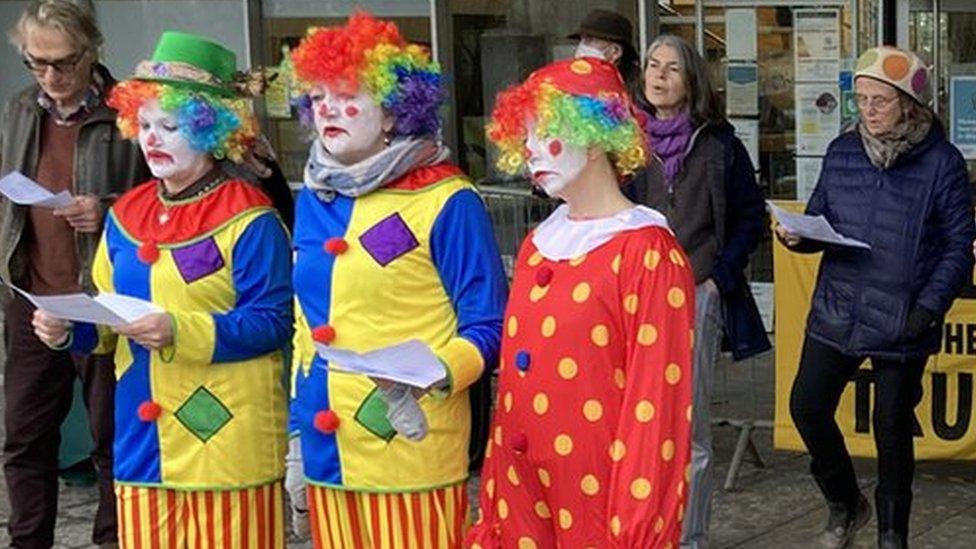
<point x="139" y="211"/>
<point x="424" y="177"/>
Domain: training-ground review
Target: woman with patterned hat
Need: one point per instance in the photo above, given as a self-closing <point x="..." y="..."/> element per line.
<point x="200" y="407"/>
<point x="591" y="436"/>
<point x="392" y="244"/>
<point x="896" y="183"/>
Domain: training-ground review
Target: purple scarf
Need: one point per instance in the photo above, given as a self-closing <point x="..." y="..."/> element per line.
<point x="669" y="141"/>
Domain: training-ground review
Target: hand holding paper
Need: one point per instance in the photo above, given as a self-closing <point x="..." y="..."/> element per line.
<point x="812" y="227"/>
<point x="108" y="309"/>
<point x="23" y="190"/>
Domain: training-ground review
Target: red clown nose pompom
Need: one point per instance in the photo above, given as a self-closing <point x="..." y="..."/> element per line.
<point x="324" y="334"/>
<point x="327" y="421"/>
<point x="543" y="276"/>
<point x="336" y="246"/>
<point x="148" y="252"/>
<point x="520" y="443"/>
<point x="149" y="411"/>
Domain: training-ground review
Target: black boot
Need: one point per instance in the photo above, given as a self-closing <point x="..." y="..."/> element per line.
<point x="843" y="523"/>
<point x="893" y="513"/>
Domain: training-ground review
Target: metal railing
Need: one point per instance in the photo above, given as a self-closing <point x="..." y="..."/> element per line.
<point x="514" y="212"/>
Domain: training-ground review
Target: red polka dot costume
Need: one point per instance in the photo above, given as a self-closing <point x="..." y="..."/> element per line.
<point x="590" y="440"/>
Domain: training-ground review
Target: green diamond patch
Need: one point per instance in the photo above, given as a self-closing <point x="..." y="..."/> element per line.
<point x="372" y="415"/>
<point x="203" y="414"/>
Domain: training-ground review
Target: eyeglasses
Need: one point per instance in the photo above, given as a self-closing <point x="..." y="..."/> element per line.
<point x="63" y="65"/>
<point x="878" y="102"/>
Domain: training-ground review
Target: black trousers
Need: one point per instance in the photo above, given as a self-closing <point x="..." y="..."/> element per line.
<point x="38" y="387"/>
<point x="823" y="375"/>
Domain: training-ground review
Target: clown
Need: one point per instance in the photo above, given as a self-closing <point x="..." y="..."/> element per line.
<point x="199" y="401"/>
<point x="392" y="243"/>
<point x="590" y="439"/>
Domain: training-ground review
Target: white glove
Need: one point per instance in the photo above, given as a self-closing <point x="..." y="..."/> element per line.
<point x="404" y="412"/>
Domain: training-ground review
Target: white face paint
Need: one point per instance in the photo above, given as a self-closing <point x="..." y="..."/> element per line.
<point x="552" y="163"/>
<point x="584" y="49"/>
<point x="351" y="127"/>
<point x="168" y="153"/>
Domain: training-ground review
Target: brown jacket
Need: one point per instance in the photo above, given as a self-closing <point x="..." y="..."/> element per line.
<point x="106" y="165"/>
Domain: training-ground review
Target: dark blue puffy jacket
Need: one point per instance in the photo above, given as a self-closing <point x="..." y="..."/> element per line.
<point x="917" y="216"/>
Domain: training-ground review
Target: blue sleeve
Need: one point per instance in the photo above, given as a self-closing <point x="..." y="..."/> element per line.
<point x="466" y="257"/>
<point x="745" y="217"/>
<point x="261" y="321"/>
<point x="953" y="215"/>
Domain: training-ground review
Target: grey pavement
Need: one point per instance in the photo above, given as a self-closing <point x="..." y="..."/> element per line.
<point x="776" y="506"/>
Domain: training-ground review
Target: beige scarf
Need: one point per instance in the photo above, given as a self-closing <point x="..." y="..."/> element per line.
<point x="914" y="126"/>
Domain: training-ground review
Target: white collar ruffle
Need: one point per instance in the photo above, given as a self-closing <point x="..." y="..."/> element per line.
<point x="560" y="238"/>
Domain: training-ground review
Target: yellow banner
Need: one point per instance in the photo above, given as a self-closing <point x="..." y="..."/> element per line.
<point x="945" y="426"/>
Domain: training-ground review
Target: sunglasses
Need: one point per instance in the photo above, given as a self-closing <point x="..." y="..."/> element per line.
<point x="61" y="66"/>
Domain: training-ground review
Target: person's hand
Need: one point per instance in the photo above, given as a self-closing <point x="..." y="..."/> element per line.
<point x="84" y="214"/>
<point x="711" y="285"/>
<point x="788" y="238"/>
<point x="974" y="248"/>
<point x="403" y="410"/>
<point x="153" y="331"/>
<point x="52" y="331"/>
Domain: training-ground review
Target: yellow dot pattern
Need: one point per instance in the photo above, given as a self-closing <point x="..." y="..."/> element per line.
<point x="548" y="326"/>
<point x="631" y="301"/>
<point x="646" y="335"/>
<point x="567" y="368"/>
<point x="640" y="488"/>
<point x="590" y="485"/>
<point x="563" y="445"/>
<point x="592" y="410"/>
<point x="644" y="411"/>
<point x="540" y="403"/>
<point x="600" y="335"/>
<point x="581" y="292"/>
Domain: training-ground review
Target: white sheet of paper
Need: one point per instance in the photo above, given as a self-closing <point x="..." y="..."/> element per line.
<point x="814" y="227"/>
<point x="23" y="190"/>
<point x="107" y="309"/>
<point x="411" y="363"/>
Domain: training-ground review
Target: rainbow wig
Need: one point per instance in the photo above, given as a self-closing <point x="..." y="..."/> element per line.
<point x="371" y="54"/>
<point x="582" y="102"/>
<point x="222" y="127"/>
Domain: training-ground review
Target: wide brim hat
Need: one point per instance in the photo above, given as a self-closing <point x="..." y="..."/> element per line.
<point x="897" y="67"/>
<point x="193" y="62"/>
<point x="607" y="25"/>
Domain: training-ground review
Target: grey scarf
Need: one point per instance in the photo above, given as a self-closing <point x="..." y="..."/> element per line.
<point x="911" y="130"/>
<point x="327" y="176"/>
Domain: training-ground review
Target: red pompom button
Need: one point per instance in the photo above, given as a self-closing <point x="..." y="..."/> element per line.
<point x="149" y="411"/>
<point x="543" y="276"/>
<point x="327" y="421"/>
<point x="336" y="246"/>
<point x="148" y="252"/>
<point x="324" y="334"/>
<point x="520" y="443"/>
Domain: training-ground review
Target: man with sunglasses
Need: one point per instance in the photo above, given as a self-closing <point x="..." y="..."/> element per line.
<point x="60" y="133"/>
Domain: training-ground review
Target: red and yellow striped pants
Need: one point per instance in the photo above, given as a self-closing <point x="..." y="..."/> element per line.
<point x="417" y="520"/>
<point x="159" y="518"/>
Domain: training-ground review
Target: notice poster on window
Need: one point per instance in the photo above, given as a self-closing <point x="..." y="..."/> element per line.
<point x="747" y="130"/>
<point x="740" y="28"/>
<point x="807" y="175"/>
<point x="962" y="114"/>
<point x="817" y="116"/>
<point x="816" y="44"/>
<point x="742" y="89"/>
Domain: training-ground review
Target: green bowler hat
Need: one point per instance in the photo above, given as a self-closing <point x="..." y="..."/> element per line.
<point x="190" y="61"/>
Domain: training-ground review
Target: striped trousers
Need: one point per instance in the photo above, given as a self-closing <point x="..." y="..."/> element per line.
<point x="159" y="518"/>
<point x="413" y="520"/>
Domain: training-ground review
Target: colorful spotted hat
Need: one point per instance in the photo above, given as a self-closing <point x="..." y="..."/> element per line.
<point x="900" y="68"/>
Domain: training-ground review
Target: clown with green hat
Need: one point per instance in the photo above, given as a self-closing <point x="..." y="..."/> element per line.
<point x="199" y="405"/>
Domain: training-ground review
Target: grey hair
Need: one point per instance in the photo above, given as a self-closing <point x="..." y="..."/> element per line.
<point x="75" y="18"/>
<point x="702" y="101"/>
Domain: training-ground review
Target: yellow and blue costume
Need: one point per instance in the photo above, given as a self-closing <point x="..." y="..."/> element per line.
<point x="414" y="259"/>
<point x="200" y="425"/>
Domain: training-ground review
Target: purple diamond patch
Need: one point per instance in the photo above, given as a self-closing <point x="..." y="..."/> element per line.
<point x="198" y="260"/>
<point x="388" y="239"/>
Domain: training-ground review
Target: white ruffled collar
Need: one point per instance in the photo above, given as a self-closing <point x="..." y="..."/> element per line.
<point x="560" y="238"/>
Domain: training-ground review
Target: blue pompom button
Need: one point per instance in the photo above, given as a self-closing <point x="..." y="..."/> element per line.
<point x="523" y="360"/>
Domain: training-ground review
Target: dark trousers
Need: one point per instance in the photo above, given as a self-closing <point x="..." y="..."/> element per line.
<point x="38" y="387"/>
<point x="824" y="373"/>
